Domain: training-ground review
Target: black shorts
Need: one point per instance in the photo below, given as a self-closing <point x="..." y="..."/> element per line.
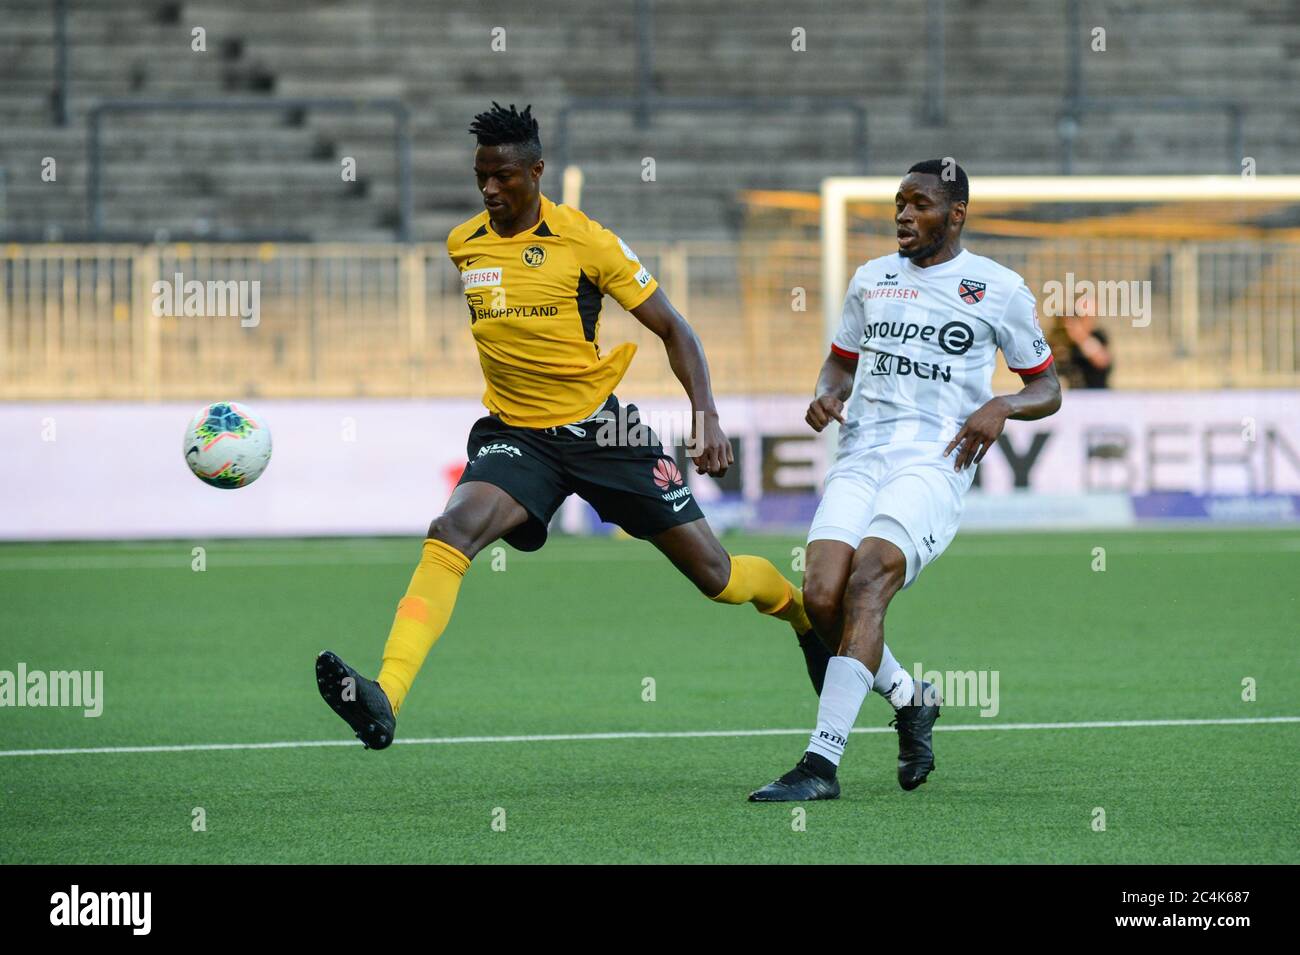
<point x="616" y="464"/>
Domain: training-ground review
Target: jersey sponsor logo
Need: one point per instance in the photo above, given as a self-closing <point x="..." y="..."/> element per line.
<point x="901" y="365"/>
<point x="476" y="278"/>
<point x="681" y="494"/>
<point x="627" y="250"/>
<point x="475" y="301"/>
<point x="507" y="449"/>
<point x="891" y="275"/>
<point x="533" y="256"/>
<point x="1040" y="345"/>
<point x="970" y="291"/>
<point x="908" y="293"/>
<point x="956" y="338"/>
<point x="665" y="474"/>
<point x="477" y="310"/>
<point x="642" y="277"/>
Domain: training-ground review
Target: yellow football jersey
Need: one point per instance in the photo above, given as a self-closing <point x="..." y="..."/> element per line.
<point x="534" y="305"/>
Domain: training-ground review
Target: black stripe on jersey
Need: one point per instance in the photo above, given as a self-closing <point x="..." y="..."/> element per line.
<point x="543" y="231"/>
<point x="482" y="230"/>
<point x="588" y="306"/>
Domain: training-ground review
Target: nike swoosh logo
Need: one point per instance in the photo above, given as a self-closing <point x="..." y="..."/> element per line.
<point x="680" y="504"/>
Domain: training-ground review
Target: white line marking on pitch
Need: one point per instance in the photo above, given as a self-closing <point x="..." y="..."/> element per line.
<point x="684" y="734"/>
<point x="219" y="557"/>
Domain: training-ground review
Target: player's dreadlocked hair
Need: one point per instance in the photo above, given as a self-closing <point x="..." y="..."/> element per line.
<point x="952" y="178"/>
<point x="500" y="127"/>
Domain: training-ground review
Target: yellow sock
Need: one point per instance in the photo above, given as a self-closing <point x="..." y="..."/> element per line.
<point x="422" y="615"/>
<point x="756" y="580"/>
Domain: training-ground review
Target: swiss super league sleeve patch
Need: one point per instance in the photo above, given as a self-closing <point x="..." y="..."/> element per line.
<point x="970" y="291"/>
<point x="642" y="276"/>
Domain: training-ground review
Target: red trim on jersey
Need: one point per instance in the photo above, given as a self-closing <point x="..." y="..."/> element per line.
<point x="1036" y="369"/>
<point x="844" y="353"/>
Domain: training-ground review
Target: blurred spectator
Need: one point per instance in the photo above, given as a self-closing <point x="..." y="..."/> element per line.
<point x="1082" y="350"/>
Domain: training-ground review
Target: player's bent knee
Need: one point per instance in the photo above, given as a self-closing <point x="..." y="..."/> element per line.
<point x="718" y="574"/>
<point x="821" y="601"/>
<point x="872" y="589"/>
<point x="451" y="530"/>
<point x="711" y="574"/>
<point x="878" y="573"/>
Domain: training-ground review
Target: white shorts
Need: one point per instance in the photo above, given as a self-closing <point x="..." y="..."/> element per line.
<point x="905" y="493"/>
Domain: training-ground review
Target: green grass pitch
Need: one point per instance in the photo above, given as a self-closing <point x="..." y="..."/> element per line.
<point x="560" y="642"/>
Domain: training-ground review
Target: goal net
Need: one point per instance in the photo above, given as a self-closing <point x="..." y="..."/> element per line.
<point x="1195" y="278"/>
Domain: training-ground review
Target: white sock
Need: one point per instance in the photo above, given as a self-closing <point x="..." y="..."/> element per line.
<point x="846" y="686"/>
<point x="893" y="682"/>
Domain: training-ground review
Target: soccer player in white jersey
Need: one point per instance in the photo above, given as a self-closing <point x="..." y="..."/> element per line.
<point x="908" y="378"/>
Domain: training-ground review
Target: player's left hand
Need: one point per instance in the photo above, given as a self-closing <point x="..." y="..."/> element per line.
<point x="978" y="434"/>
<point x="709" y="446"/>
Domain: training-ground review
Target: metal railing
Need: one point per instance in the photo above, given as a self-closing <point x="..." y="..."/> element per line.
<point x="644" y="106"/>
<point x="95" y="149"/>
<point x="84" y="321"/>
<point x="59" y="93"/>
<point x="1070" y="122"/>
<point x="645" y="55"/>
<point x="935" y="62"/>
<point x="1078" y="104"/>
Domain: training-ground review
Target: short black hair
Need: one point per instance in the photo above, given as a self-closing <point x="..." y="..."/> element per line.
<point x="952" y="178"/>
<point x="507" y="127"/>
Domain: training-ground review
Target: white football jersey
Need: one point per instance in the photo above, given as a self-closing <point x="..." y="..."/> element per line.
<point x="926" y="341"/>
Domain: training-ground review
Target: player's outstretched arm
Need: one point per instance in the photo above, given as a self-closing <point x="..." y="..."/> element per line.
<point x="712" y="450"/>
<point x="1040" y="397"/>
<point x="834" y="385"/>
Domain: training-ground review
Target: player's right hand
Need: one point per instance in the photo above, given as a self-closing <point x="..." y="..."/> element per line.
<point x="822" y="410"/>
<point x="709" y="446"/>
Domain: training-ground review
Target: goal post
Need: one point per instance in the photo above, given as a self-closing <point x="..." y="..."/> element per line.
<point x="839" y="192"/>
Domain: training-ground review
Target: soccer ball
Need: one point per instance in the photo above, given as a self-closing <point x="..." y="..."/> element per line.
<point x="227" y="445"/>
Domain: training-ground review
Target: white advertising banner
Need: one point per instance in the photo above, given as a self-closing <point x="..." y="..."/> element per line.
<point x="109" y="470"/>
<point x="1200" y="442"/>
<point x="355" y="466"/>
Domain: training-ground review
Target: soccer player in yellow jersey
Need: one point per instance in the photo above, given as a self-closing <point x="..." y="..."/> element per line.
<point x="534" y="273"/>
